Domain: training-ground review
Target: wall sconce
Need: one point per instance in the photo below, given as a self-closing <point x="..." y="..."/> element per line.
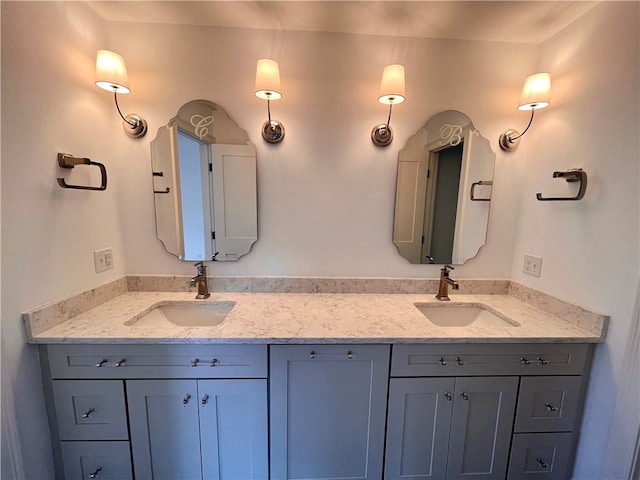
<point x="111" y="75"/>
<point x="268" y="88"/>
<point x="535" y="95"/>
<point x="391" y="93"/>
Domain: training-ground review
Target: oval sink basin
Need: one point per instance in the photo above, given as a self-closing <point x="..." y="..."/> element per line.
<point x="205" y="314"/>
<point x="462" y="315"/>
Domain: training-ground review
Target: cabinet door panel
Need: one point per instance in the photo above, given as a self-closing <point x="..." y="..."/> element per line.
<point x="100" y="460"/>
<point x="418" y="428"/>
<point x="233" y="429"/>
<point x="328" y="409"/>
<point x="165" y="435"/>
<point x="548" y="404"/>
<point x="90" y="409"/>
<point x="481" y="425"/>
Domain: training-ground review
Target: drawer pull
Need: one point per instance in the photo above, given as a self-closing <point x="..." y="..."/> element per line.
<point x="524" y="361"/>
<point x="121" y="362"/>
<point x="101" y="362"/>
<point x="459" y="361"/>
<point x="88" y="413"/>
<point x="442" y="361"/>
<point x="213" y="362"/>
<point x="194" y="362"/>
<point x="448" y="396"/>
<point x="205" y="398"/>
<point x="541" y="462"/>
<point x="541" y="361"/>
<point x="550" y="407"/>
<point x="464" y="395"/>
<point x="186" y="399"/>
<point x="95" y="472"/>
<point x="312" y="355"/>
<point x="349" y="355"/>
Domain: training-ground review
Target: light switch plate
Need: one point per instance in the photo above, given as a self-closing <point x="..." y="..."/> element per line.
<point x="103" y="259"/>
<point x="532" y="265"/>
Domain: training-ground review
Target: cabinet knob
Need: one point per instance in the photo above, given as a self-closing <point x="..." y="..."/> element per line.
<point x="101" y="362"/>
<point x="442" y="361"/>
<point x="541" y="361"/>
<point x="186" y="399"/>
<point x="550" y="407"/>
<point x="88" y="413"/>
<point x="194" y="362"/>
<point x="121" y="362"/>
<point x="213" y="362"/>
<point x="312" y="355"/>
<point x="541" y="462"/>
<point x="459" y="361"/>
<point x="464" y="395"/>
<point x="448" y="396"/>
<point x="95" y="472"/>
<point x="349" y="355"/>
<point x="524" y="361"/>
<point x="205" y="398"/>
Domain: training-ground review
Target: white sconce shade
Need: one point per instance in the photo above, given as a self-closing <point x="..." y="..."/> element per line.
<point x="392" y="85"/>
<point x="535" y="92"/>
<point x="111" y="72"/>
<point x="535" y="95"/>
<point x="268" y="80"/>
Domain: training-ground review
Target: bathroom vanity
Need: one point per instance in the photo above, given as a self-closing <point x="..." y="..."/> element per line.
<point x="316" y="386"/>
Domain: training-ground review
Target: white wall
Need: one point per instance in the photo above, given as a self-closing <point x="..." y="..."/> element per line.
<point x="590" y="247"/>
<point x="326" y="193"/>
<point x="49" y="105"/>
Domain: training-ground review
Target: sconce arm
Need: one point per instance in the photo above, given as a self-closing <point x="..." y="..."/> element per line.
<point x="115" y="97"/>
<point x="525" y="130"/>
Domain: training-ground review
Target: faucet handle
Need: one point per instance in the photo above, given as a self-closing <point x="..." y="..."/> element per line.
<point x="450" y="267"/>
<point x="445" y="270"/>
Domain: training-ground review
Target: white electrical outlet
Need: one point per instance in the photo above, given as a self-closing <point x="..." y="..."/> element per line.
<point x="103" y="259"/>
<point x="532" y="265"/>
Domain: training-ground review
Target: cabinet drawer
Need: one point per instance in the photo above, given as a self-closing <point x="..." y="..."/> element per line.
<point x="158" y="361"/>
<point x="90" y="409"/>
<point x="485" y="359"/>
<point x="548" y="404"/>
<point x="100" y="460"/>
<point x="541" y="456"/>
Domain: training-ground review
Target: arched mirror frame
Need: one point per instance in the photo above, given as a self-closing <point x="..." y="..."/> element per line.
<point x="418" y="201"/>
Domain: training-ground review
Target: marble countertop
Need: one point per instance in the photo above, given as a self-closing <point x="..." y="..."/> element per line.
<point x="286" y="318"/>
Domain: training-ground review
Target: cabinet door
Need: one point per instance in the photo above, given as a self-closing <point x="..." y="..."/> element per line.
<point x="233" y="429"/>
<point x="483" y="413"/>
<point x="165" y="434"/>
<point x="99" y="460"/>
<point x="418" y="428"/>
<point x="328" y="409"/>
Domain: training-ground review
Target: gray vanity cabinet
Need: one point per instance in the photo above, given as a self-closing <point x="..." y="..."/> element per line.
<point x="449" y="428"/>
<point x="455" y="422"/>
<point x="185" y="412"/>
<point x="192" y="429"/>
<point x="327" y="411"/>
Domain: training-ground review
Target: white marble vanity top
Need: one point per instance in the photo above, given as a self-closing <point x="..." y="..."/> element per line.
<point x="313" y="318"/>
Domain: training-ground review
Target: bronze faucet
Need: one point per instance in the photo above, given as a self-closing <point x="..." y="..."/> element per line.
<point x="201" y="280"/>
<point x="445" y="281"/>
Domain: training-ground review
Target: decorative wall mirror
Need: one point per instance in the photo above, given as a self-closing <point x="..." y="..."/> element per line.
<point x="445" y="180"/>
<point x="204" y="185"/>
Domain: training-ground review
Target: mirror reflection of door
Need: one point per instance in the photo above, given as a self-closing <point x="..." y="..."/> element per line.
<point x="443" y="183"/>
<point x="194" y="160"/>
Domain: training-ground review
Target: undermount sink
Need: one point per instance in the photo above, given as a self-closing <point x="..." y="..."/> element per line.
<point x="204" y="314"/>
<point x="462" y="315"/>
